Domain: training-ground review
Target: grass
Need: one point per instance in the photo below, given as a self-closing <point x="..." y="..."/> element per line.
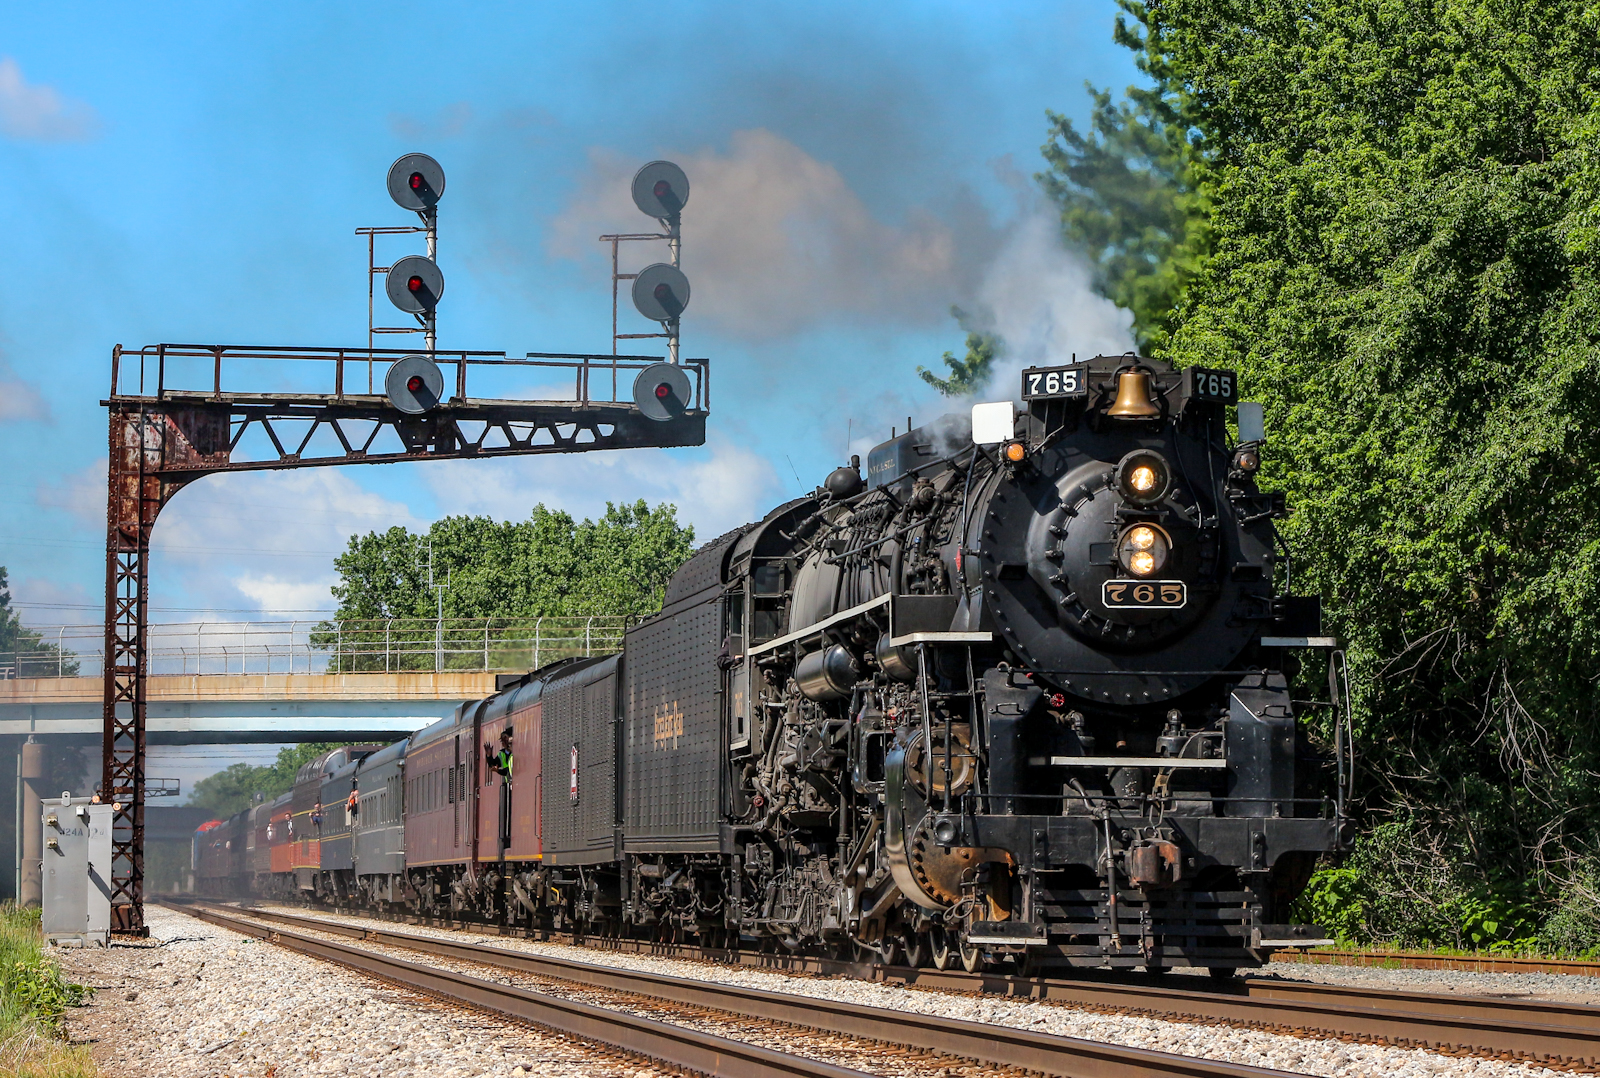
<point x="34" y="997"/>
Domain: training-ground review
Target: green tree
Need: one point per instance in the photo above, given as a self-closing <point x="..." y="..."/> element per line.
<point x="26" y="649"/>
<point x="1404" y="238"/>
<point x="1131" y="190"/>
<point x="970" y="373"/>
<point x="233" y="789"/>
<point x="548" y="565"/>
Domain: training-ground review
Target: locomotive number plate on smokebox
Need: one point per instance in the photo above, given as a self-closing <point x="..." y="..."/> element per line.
<point x="1144" y="594"/>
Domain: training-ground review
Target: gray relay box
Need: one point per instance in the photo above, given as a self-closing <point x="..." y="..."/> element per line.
<point x="76" y="872"/>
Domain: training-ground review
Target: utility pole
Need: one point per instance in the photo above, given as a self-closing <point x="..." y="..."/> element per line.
<point x="438" y="621"/>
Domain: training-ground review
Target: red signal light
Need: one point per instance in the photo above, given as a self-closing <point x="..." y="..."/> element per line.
<point x="663" y="189"/>
<point x="414" y="383"/>
<point x="663" y="391"/>
<point x="415" y="284"/>
<point x="417" y="182"/>
<point x="663" y="292"/>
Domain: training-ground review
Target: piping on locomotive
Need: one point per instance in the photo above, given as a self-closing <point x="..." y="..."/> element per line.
<point x="1023" y="702"/>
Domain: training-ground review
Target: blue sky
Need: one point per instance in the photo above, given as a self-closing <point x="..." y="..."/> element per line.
<point x="195" y="173"/>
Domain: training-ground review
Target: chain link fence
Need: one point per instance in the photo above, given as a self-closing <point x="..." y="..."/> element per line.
<point x="329" y="647"/>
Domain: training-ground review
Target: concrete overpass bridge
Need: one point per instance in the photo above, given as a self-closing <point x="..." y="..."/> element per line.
<point x="243" y="683"/>
<point x="260" y="708"/>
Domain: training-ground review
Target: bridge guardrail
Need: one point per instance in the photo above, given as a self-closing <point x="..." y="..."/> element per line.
<point x="329" y="646"/>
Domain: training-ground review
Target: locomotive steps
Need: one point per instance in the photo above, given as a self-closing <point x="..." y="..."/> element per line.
<point x="1565" y="1036"/>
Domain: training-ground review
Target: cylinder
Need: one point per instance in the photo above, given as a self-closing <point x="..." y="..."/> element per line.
<point x="31" y="890"/>
<point x="828" y="674"/>
<point x="898" y="663"/>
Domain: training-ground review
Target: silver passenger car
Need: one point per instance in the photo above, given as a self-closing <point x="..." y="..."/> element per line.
<point x="378" y="826"/>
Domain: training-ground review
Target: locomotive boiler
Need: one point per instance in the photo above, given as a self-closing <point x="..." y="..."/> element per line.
<point x="1020" y="694"/>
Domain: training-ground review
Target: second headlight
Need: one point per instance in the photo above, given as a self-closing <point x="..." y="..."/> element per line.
<point x="1144" y="549"/>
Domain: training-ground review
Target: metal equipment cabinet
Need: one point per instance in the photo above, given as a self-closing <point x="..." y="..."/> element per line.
<point x="76" y="871"/>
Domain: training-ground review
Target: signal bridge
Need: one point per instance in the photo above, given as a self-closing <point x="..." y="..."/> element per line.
<point x="179" y="412"/>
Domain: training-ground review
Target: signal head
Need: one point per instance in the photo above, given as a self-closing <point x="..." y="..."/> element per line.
<point x="414" y="385"/>
<point x="415" y="284"/>
<point x="661" y="392"/>
<point x="660" y="189"/>
<point x="416" y="182"/>
<point x="661" y="292"/>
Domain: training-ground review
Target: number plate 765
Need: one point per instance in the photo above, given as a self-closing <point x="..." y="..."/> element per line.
<point x="1144" y="594"/>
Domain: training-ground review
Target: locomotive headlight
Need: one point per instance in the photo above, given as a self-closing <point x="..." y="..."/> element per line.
<point x="1144" y="549"/>
<point x="1143" y="477"/>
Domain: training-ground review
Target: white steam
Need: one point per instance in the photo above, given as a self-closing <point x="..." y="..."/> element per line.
<point x="1037" y="297"/>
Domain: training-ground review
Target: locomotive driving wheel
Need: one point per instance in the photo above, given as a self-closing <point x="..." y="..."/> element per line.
<point x="940" y="952"/>
<point x="914" y="945"/>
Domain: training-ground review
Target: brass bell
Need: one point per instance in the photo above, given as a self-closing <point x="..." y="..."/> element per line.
<point x="1133" y="396"/>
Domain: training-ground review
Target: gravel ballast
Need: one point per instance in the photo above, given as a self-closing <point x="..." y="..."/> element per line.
<point x="198" y="1001"/>
<point x="1303" y="1054"/>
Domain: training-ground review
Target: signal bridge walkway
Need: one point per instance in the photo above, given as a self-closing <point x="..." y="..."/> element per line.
<point x="273" y="682"/>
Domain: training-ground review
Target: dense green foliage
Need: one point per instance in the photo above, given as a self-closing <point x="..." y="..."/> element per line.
<point x="547" y="565"/>
<point x="969" y="373"/>
<point x="33" y="656"/>
<point x="1130" y="195"/>
<point x="34" y="996"/>
<point x="230" y="790"/>
<point x="1404" y="230"/>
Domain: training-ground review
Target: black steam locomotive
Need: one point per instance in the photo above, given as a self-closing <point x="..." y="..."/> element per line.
<point x="1020" y="695"/>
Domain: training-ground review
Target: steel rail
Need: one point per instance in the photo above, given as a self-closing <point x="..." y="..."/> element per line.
<point x="1531" y="1029"/>
<point x="997" y="1045"/>
<point x="659" y="1041"/>
<point x="1466" y="963"/>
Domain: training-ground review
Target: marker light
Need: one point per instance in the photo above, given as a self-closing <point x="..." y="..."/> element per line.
<point x="1144" y="549"/>
<point x="1015" y="451"/>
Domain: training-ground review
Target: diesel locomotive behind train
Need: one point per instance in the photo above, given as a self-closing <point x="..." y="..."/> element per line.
<point x="1025" y="702"/>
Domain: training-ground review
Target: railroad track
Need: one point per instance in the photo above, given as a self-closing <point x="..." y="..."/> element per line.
<point x="998" y="1046"/>
<point x="1538" y="1030"/>
<point x="1467" y="963"/>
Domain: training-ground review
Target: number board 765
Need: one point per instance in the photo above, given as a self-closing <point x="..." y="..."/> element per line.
<point x="1041" y="383"/>
<point x="1217" y="387"/>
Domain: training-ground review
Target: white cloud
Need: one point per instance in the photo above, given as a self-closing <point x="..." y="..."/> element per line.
<point x="715" y="490"/>
<point x="776" y="241"/>
<point x="40" y="113"/>
<point x="1037" y="296"/>
<point x="82" y="494"/>
<point x="263" y="542"/>
<point x="19" y="400"/>
<point x="272" y="592"/>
